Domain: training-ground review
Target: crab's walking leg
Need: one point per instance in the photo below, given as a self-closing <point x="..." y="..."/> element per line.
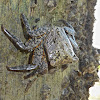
<point x="75" y="45"/>
<point x="39" y="58"/>
<point x="43" y="69"/>
<point x="25" y="26"/>
<point x="69" y="25"/>
<point x="29" y="84"/>
<point x="66" y="23"/>
<point x="27" y="30"/>
<point x="39" y="71"/>
<point x="22" y="68"/>
<point x="33" y="73"/>
<point x="71" y="33"/>
<point x="17" y="42"/>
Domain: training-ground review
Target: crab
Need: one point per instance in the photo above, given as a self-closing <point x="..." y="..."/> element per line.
<point x="50" y="46"/>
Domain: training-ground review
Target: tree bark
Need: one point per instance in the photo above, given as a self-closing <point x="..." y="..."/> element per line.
<point x="68" y="84"/>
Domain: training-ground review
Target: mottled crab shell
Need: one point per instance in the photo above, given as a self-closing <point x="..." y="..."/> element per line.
<point x="59" y="48"/>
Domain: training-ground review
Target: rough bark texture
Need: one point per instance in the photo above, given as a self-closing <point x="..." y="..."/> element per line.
<point x="63" y="84"/>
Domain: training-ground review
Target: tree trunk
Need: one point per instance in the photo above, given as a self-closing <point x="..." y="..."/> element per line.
<point x="68" y="84"/>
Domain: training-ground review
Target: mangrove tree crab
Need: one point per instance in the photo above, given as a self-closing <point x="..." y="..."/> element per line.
<point x="51" y="46"/>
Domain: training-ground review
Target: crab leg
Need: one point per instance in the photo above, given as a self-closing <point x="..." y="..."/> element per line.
<point x="40" y="56"/>
<point x="66" y="23"/>
<point x="17" y="42"/>
<point x="27" y="30"/>
<point x="29" y="84"/>
<point x="75" y="45"/>
<point x="33" y="73"/>
<point x="69" y="25"/>
<point x="25" y="26"/>
<point x="22" y="68"/>
<point x="70" y="33"/>
<point x="42" y="70"/>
